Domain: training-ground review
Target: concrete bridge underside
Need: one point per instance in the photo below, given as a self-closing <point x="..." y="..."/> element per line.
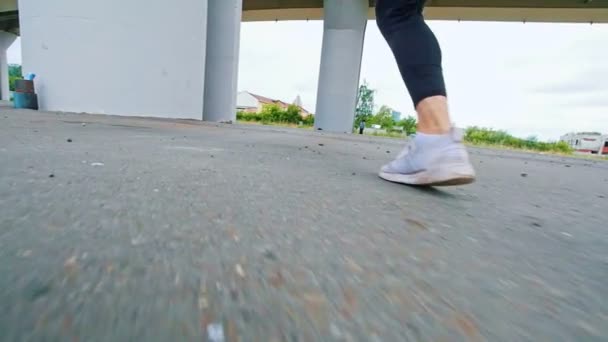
<point x="478" y="10"/>
<point x="169" y="59"/>
<point x="481" y="10"/>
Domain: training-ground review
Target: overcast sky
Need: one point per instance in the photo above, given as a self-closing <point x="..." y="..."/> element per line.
<point x="530" y="79"/>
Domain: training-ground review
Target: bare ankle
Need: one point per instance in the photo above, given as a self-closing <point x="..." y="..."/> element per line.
<point x="433" y="116"/>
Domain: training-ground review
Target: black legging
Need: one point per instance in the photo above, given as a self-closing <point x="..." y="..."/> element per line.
<point x="414" y="45"/>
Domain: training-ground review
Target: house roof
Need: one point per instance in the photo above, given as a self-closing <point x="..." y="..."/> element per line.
<point x="264" y="99"/>
<point x="267" y="100"/>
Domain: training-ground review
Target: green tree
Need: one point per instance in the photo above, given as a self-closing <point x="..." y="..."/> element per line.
<point x="14" y="73"/>
<point x="384" y="118"/>
<point x="409" y="125"/>
<point x="292" y="114"/>
<point x="271" y="113"/>
<point x="365" y="104"/>
<point x="14" y="70"/>
<point x="309" y="120"/>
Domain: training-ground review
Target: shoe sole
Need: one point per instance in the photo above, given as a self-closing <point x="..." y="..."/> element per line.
<point x="426" y="178"/>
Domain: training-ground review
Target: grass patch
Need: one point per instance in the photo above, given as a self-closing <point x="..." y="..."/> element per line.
<point x="474" y="136"/>
<point x="276" y="124"/>
<point x="397" y="135"/>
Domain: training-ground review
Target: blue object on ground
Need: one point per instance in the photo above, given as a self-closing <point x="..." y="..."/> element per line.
<point x="25" y="100"/>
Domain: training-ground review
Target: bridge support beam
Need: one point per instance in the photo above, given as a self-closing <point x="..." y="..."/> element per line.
<point x="6" y="39"/>
<point x="344" y="32"/>
<point x="222" y="61"/>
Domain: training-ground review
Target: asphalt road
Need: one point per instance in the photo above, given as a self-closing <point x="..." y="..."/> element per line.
<point x="126" y="229"/>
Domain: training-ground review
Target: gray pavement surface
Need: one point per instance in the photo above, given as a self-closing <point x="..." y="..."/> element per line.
<point x="158" y="230"/>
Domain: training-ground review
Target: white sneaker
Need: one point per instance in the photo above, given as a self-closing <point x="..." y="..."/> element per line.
<point x="443" y="162"/>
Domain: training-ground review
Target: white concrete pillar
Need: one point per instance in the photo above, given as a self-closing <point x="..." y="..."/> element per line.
<point x="222" y="61"/>
<point x="132" y="58"/>
<point x="6" y="40"/>
<point x="344" y="31"/>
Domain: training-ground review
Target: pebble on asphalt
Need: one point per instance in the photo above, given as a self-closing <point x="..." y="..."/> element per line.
<point x="276" y="279"/>
<point x="70" y="264"/>
<point x="215" y="332"/>
<point x="51" y="175"/>
<point x="468" y="326"/>
<point x="69" y="140"/>
<point x="416" y="224"/>
<point x="234" y="294"/>
<point x="270" y="254"/>
<point x="239" y="270"/>
<point x="233" y="234"/>
<point x="523" y="174"/>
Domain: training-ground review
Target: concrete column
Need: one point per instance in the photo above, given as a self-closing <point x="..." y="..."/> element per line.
<point x="6" y="39"/>
<point x="222" y="61"/>
<point x="344" y="31"/>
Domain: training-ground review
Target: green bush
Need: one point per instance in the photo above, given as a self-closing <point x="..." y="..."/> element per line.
<point x="14" y="73"/>
<point x="274" y="114"/>
<point x="292" y="114"/>
<point x="488" y="136"/>
<point x="563" y="147"/>
<point x="384" y="118"/>
<point x="409" y="125"/>
<point x="309" y="120"/>
<point x="271" y="113"/>
<point x="245" y="116"/>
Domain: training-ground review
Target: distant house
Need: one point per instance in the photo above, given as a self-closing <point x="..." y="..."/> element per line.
<point x="253" y="103"/>
<point x="587" y="142"/>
